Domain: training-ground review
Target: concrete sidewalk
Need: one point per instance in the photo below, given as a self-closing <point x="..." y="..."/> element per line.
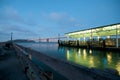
<point x="10" y="68"/>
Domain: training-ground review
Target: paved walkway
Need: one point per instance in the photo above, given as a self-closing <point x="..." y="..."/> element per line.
<point x="10" y="68"/>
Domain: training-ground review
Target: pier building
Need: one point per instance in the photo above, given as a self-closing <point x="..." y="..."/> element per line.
<point x="102" y="36"/>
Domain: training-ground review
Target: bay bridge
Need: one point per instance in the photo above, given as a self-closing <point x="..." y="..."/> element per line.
<point x="50" y="39"/>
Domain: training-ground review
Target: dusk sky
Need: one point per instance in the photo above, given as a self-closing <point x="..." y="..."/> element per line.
<point x="29" y="19"/>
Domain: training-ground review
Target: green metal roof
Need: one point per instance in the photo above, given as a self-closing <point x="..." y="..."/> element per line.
<point x="107" y="30"/>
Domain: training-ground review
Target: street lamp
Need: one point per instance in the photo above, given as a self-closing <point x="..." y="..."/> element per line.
<point x="11" y="36"/>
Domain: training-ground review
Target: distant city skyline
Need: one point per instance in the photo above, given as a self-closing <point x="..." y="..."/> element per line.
<point x="28" y="19"/>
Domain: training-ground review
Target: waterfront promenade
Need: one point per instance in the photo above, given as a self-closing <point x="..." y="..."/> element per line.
<point x="10" y="68"/>
<point x="68" y="70"/>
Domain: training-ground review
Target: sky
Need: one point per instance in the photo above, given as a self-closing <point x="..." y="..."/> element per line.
<point x="31" y="19"/>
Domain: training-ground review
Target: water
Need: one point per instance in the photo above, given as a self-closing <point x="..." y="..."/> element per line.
<point x="90" y="58"/>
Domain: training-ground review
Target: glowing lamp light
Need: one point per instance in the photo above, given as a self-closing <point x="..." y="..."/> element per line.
<point x="108" y="36"/>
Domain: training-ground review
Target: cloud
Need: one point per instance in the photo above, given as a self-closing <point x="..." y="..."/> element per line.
<point x="3" y="34"/>
<point x="12" y="21"/>
<point x="9" y="14"/>
<point x="7" y="28"/>
<point x="62" y="19"/>
<point x="18" y="31"/>
<point x="57" y="16"/>
<point x="61" y="16"/>
<point x="12" y="28"/>
<point x="77" y="25"/>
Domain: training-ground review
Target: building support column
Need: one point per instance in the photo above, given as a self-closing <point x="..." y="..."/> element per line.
<point x="116" y="36"/>
<point x="91" y="37"/>
<point x="67" y="38"/>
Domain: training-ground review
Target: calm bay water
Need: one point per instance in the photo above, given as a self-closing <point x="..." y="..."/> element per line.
<point x="89" y="58"/>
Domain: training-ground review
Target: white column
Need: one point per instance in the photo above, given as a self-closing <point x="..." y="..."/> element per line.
<point x="91" y="36"/>
<point x="116" y="36"/>
<point x="98" y="38"/>
<point x="67" y="38"/>
<point x="84" y="39"/>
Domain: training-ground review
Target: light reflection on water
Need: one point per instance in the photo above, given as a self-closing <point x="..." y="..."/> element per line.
<point x="94" y="58"/>
<point x="90" y="58"/>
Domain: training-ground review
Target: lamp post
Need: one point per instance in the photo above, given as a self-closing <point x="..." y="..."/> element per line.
<point x="39" y="39"/>
<point x="58" y="36"/>
<point x="11" y="36"/>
